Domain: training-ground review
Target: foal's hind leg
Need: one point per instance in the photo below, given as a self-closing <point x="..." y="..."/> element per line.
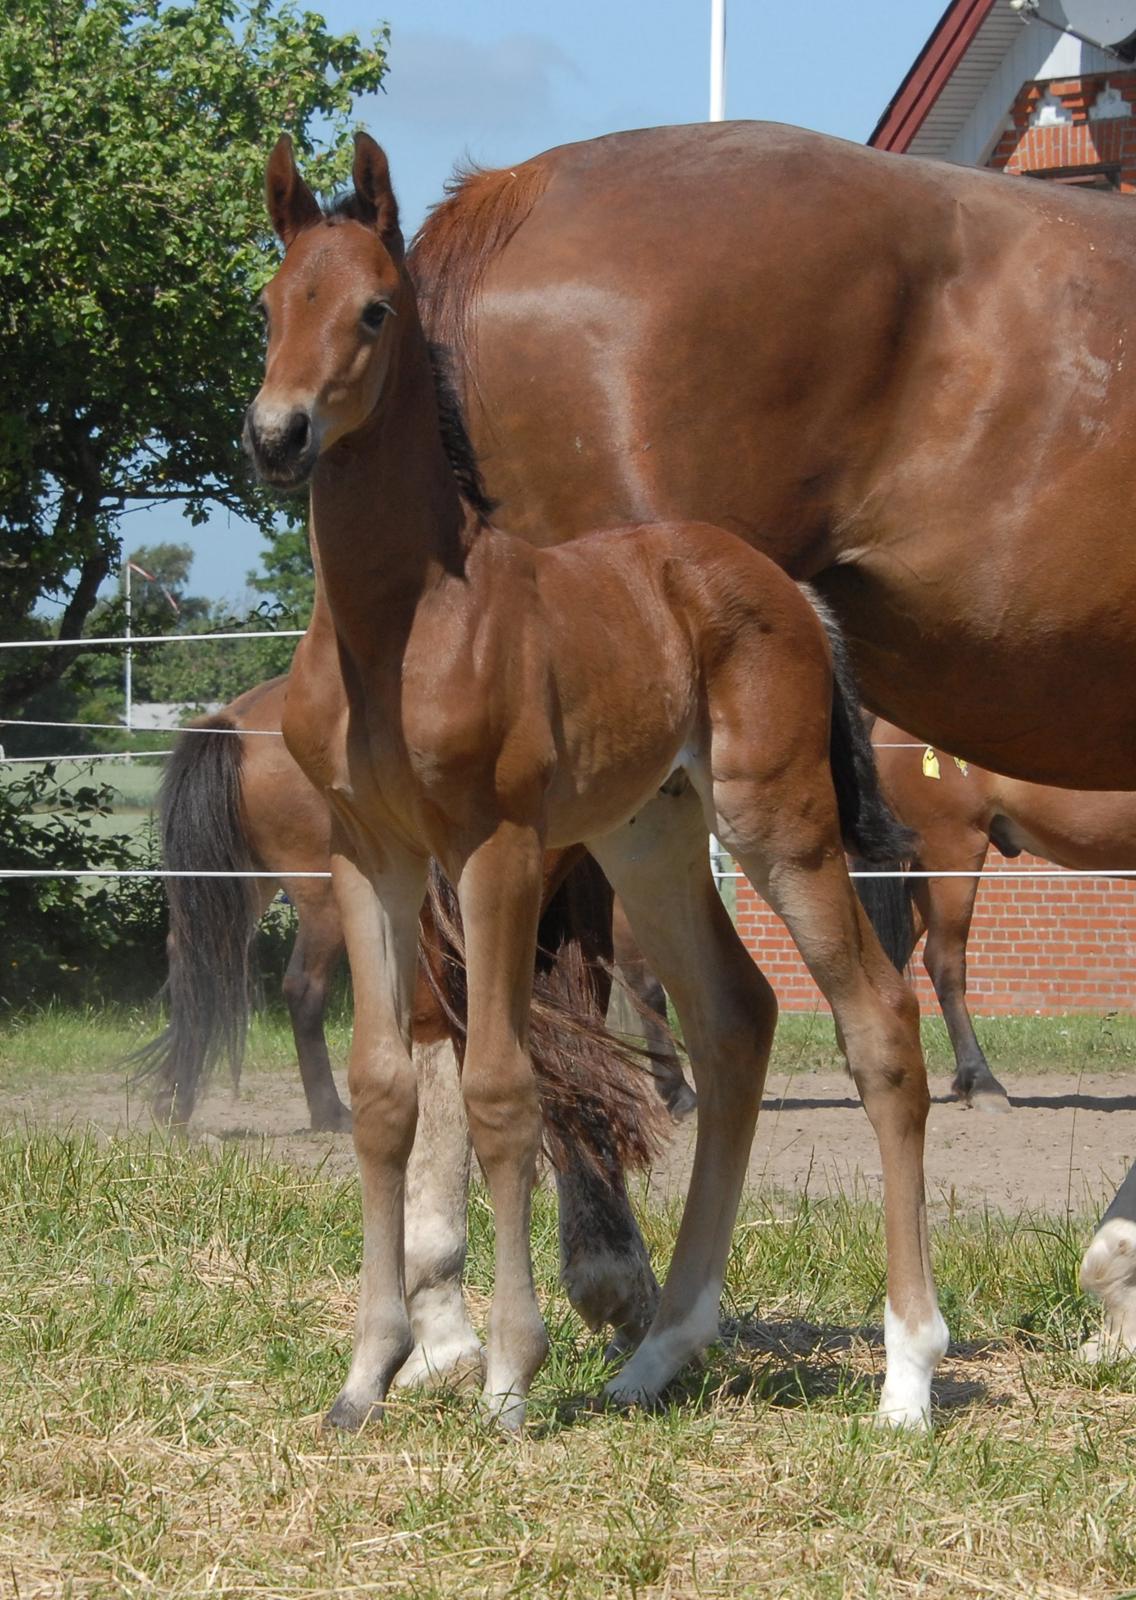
<point x="659" y="865"/>
<point x="650" y="996"/>
<point x="783" y="829"/>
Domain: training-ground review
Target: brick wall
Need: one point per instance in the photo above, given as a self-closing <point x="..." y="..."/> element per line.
<point x="1042" y="946"/>
<point x="1074" y="123"/>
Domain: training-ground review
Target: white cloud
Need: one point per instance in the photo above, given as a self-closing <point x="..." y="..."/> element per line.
<point x="441" y="82"/>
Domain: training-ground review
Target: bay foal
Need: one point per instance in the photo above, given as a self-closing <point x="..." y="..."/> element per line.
<point x="626" y="691"/>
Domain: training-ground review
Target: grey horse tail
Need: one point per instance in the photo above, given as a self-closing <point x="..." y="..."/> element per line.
<point x="873" y="835"/>
<point x="212" y="920"/>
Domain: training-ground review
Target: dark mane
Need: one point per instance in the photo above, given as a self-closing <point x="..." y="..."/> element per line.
<point x="455" y="437"/>
<point x="451" y="419"/>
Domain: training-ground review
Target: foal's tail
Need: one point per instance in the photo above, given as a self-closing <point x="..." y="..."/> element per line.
<point x="873" y="835"/>
<point x="212" y="920"/>
<point x="599" y="1107"/>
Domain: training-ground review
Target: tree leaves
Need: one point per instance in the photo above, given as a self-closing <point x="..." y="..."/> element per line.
<point x="134" y="243"/>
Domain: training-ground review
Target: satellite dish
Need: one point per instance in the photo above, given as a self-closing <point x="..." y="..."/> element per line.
<point x="1108" y="22"/>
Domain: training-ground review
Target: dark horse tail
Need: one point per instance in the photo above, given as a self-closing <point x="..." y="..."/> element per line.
<point x="212" y="920"/>
<point x="599" y="1107"/>
<point x="873" y="835"/>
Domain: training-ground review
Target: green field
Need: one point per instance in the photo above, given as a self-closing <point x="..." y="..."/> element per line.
<point x="175" y="1318"/>
<point x="175" y="1321"/>
<point x="61" y="1039"/>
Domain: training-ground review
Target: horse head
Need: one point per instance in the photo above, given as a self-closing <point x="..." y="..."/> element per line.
<point x="330" y="312"/>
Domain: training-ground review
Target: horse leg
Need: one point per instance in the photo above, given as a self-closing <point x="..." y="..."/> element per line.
<point x="311" y="968"/>
<point x="437" y="1180"/>
<point x="666" y="1069"/>
<point x="499" y="891"/>
<point x="946" y="906"/>
<point x="604" y="1266"/>
<point x="380" y="910"/>
<point x="659" y="865"/>
<point x="1108" y="1270"/>
<point x="784" y="831"/>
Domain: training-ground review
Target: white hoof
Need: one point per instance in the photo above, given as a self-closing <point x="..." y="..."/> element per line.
<point x="912" y="1354"/>
<point x="436" y="1366"/>
<point x="663" y="1354"/>
<point x="504" y="1411"/>
<point x="1108" y="1271"/>
<point x="898" y="1412"/>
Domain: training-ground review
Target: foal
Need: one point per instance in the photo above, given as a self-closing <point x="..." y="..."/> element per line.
<point x="626" y="690"/>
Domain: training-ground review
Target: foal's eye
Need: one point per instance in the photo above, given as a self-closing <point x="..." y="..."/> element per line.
<point x="376" y="314"/>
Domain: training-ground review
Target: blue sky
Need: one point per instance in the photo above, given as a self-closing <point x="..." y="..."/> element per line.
<point x="498" y="80"/>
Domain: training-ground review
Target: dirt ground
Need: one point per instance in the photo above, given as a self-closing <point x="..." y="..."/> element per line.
<point x="1065" y="1145"/>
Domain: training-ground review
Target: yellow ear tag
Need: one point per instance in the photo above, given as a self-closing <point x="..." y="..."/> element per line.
<point x="930" y="764"/>
<point x="961" y="765"/>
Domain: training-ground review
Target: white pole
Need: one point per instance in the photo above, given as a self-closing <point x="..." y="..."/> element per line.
<point x="717" y="60"/>
<point x="129" y="654"/>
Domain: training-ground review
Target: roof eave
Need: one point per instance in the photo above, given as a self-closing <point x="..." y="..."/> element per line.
<point x="929" y="73"/>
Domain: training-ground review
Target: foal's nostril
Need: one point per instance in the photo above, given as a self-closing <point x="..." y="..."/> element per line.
<point x="297" y="434"/>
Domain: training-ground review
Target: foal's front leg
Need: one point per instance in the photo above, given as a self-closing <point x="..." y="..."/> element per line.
<point x="500" y="891"/>
<point x="380" y="911"/>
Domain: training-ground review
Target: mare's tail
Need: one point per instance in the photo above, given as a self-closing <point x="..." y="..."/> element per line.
<point x="873" y="835"/>
<point x="212" y="920"/>
<point x="598" y="1102"/>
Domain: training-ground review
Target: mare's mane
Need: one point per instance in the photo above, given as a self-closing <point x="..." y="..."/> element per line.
<point x="451" y="418"/>
<point x="459" y="240"/>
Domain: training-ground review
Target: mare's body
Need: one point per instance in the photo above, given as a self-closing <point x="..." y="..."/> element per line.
<point x="908" y="383"/>
<point x="463" y="695"/>
<point x="958" y="815"/>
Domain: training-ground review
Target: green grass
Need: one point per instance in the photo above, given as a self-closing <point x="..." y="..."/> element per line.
<point x="63" y="1039"/>
<point x="174" y="1320"/>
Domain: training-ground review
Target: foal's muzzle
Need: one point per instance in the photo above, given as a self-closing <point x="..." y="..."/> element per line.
<point x="282" y="444"/>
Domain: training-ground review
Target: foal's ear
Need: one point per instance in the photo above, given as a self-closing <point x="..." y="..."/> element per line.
<point x="377" y="206"/>
<point x="291" y="204"/>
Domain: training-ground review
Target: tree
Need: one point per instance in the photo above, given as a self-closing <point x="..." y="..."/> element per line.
<point x="132" y="245"/>
<point x="286" y="574"/>
<point x="159" y="603"/>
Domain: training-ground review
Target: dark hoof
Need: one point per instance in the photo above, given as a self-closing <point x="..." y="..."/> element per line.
<point x="337" y="1120"/>
<point x="682" y="1103"/>
<point x="987" y="1094"/>
<point x="349" y="1416"/>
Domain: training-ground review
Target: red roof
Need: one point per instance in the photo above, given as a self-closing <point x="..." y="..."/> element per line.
<point x="931" y="71"/>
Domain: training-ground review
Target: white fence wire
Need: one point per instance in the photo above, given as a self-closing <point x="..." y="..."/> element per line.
<point x="718" y="856"/>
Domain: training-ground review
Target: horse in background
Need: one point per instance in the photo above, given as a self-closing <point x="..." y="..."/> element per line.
<point x="957" y="816"/>
<point x="626" y="691"/>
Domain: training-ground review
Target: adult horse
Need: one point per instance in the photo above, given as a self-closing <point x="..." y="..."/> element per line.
<point x="958" y="814"/>
<point x="451" y="698"/>
<point x="907" y="382"/>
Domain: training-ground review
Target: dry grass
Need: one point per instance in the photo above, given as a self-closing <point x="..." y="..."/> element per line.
<point x="173" y="1322"/>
